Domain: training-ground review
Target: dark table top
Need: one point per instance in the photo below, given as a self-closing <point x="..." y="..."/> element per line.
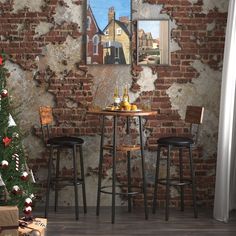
<point x="122" y="113"/>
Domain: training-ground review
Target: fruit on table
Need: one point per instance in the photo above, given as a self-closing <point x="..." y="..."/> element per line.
<point x="125" y="106"/>
<point x="134" y="107"/>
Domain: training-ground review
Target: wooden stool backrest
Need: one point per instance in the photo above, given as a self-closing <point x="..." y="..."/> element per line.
<point x="45" y="114"/>
<point x="194" y="116"/>
<point x="46" y="120"/>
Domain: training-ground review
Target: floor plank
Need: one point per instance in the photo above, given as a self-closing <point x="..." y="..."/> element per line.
<point x="63" y="223"/>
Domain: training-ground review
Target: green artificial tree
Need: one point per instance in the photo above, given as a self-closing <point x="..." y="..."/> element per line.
<point x="15" y="177"/>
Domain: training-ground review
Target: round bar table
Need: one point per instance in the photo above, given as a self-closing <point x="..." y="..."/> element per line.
<point x="125" y="148"/>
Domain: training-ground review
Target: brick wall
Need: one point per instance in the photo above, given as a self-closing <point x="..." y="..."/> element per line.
<point x="71" y="83"/>
<point x="197" y="42"/>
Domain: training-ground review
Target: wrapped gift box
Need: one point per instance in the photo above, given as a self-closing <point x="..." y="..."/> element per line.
<point x="38" y="224"/>
<point x="9" y="216"/>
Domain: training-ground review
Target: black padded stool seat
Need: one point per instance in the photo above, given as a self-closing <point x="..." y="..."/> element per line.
<point x="57" y="144"/>
<point x="194" y="115"/>
<point x="65" y="141"/>
<point x="175" y="141"/>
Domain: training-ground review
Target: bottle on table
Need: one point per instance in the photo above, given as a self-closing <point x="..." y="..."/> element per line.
<point x="126" y="94"/>
<point x="116" y="97"/>
<point x="125" y="99"/>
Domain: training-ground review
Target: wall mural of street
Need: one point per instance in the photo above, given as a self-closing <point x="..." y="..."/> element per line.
<point x="153" y="42"/>
<point x="108" y="32"/>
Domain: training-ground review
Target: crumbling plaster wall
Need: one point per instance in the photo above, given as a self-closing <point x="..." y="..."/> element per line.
<point x="27" y="98"/>
<point x="33" y="7"/>
<point x="204" y="87"/>
<point x="203" y="91"/>
<point x="43" y="71"/>
<point x="206" y="74"/>
<point x="30" y="82"/>
<point x="69" y="12"/>
<point x="62" y="57"/>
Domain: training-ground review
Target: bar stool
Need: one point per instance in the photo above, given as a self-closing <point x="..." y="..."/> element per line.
<point x="59" y="143"/>
<point x="194" y="116"/>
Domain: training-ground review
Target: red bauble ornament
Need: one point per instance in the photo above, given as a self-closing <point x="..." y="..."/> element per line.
<point x="28" y="210"/>
<point x="6" y="141"/>
<point x="24" y="176"/>
<point x="28" y="202"/>
<point x="1" y="60"/>
<point x="4" y="93"/>
<point x="4" y="164"/>
<point x="16" y="189"/>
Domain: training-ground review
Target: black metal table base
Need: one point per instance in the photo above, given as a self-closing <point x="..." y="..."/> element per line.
<point x="129" y="193"/>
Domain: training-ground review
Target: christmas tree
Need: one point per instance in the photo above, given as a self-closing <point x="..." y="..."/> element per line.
<point x="15" y="182"/>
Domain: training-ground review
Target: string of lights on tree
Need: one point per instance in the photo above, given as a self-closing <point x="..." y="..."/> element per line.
<point x="15" y="177"/>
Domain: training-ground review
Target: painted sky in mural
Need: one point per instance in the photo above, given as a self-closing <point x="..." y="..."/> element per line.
<point x="150" y="26"/>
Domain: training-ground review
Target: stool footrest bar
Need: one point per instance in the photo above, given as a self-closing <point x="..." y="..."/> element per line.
<point x="175" y="182"/>
<point x="120" y="193"/>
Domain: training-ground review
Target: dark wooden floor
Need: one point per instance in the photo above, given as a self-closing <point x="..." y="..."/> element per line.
<point x="63" y="223"/>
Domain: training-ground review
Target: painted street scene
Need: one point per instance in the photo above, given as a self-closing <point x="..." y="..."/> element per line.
<point x="153" y="40"/>
<point x="108" y="32"/>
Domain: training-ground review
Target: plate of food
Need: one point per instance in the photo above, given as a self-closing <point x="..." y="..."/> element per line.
<point x="128" y="108"/>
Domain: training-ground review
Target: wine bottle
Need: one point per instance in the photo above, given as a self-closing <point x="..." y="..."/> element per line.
<point x="116" y="96"/>
<point x="126" y="94"/>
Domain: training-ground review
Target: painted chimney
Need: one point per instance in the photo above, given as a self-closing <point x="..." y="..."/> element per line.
<point x="111" y="14"/>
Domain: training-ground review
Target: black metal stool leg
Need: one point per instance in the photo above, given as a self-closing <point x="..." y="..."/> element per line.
<point x="100" y="167"/>
<point x="181" y="178"/>
<point x="56" y="180"/>
<point x="168" y="183"/>
<point x="143" y="167"/>
<point x="156" y="180"/>
<point x="83" y="178"/>
<point x="193" y="183"/>
<point x="129" y="181"/>
<point x="128" y="167"/>
<point x="48" y="182"/>
<point x="75" y="182"/>
<point x="114" y="171"/>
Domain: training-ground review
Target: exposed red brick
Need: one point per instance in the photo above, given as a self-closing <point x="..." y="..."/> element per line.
<point x="194" y="41"/>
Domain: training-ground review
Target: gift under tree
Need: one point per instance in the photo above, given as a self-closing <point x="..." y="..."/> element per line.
<point x="15" y="179"/>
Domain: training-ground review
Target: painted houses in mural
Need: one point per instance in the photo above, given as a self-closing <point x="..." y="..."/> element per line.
<point x="116" y="39"/>
<point x="146" y="41"/>
<point x="112" y="44"/>
<point x="94" y="44"/>
<point x="153" y="38"/>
